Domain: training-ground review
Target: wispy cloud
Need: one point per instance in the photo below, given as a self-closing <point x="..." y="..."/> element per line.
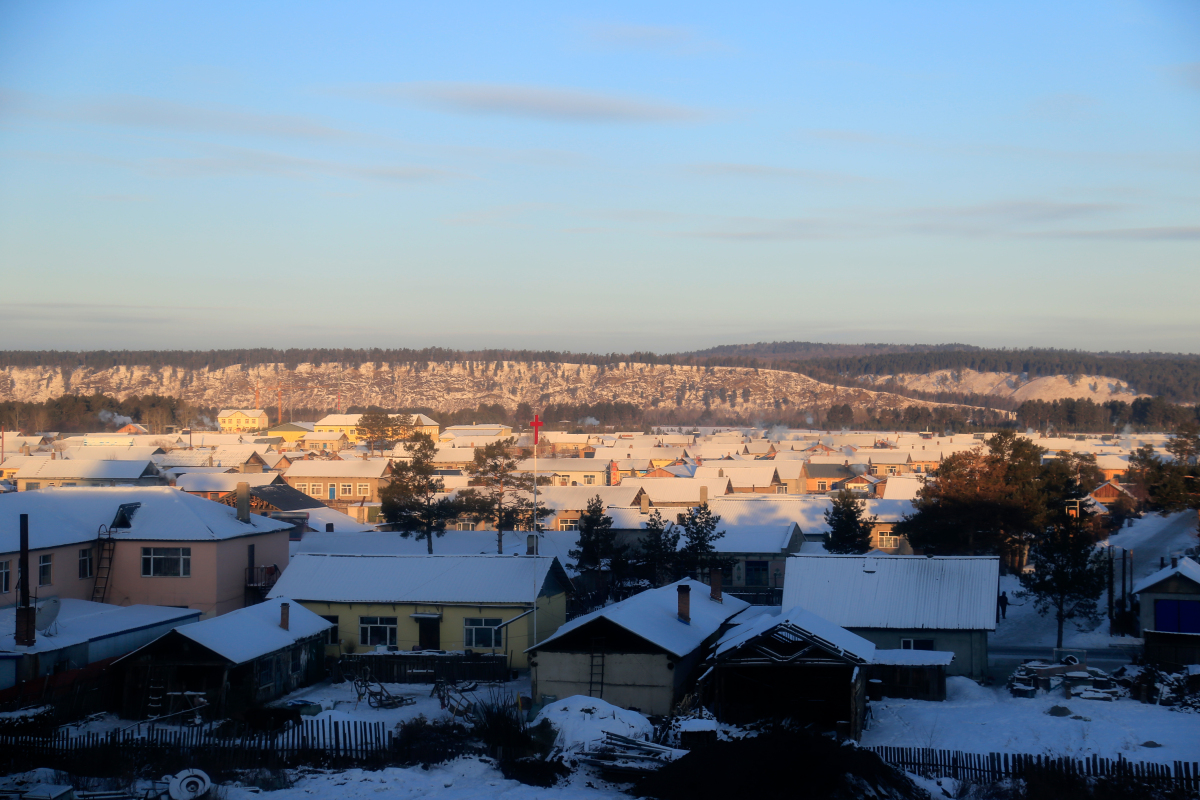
<point x="764" y="171"/>
<point x="1177" y="233"/>
<point x="132" y="111"/>
<point x="673" y="40"/>
<point x="532" y="102"/>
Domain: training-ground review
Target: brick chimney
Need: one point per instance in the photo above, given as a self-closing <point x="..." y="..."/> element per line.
<point x="243" y="502"/>
<point x="285" y="611"/>
<point x="714" y="584"/>
<point x="703" y="495"/>
<point x="645" y="502"/>
<point x="685" y="603"/>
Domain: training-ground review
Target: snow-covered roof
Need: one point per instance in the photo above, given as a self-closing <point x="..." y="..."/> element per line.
<point x="328" y="436"/>
<point x="902" y="487"/>
<point x="247" y="633"/>
<point x="679" y="490"/>
<point x="224" y="481"/>
<point x="810" y="625"/>
<point x="249" y="412"/>
<point x="60" y="516"/>
<point x="82" y="621"/>
<point x="132" y="453"/>
<point x="85" y="469"/>
<point x="575" y="498"/>
<point x="912" y="592"/>
<point x="1185" y="567"/>
<point x="654" y="616"/>
<point x="415" y="578"/>
<point x="807" y="511"/>
<point x="354" y="468"/>
<point x="339" y="419"/>
<point x="745" y="474"/>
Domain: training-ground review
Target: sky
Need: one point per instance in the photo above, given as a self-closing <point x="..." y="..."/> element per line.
<point x="602" y="177"/>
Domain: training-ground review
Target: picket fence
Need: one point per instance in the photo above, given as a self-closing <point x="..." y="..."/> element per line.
<point x="996" y="766"/>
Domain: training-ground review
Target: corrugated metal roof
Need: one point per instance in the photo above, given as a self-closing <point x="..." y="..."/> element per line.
<point x="908" y="592"/>
<point x="86" y="469"/>
<point x="813" y="626"/>
<point x="254" y="631"/>
<point x="415" y="579"/>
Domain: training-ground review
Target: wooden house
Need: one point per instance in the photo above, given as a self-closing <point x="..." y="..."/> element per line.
<point x="1169" y="600"/>
<point x="237" y="661"/>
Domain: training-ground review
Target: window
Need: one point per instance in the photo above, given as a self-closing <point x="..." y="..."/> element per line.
<point x="347" y="489"/>
<point x="5" y="578"/>
<point x="374" y="631"/>
<point x="297" y="660"/>
<point x="874" y="470"/>
<point x="589" y="479"/>
<point x="266" y="673"/>
<point x="85" y="562"/>
<point x="302" y="487"/>
<point x="331" y="635"/>
<point x="45" y="570"/>
<point x="166" y="562"/>
<point x="316" y="490"/>
<point x="916" y="644"/>
<point x="32" y="486"/>
<point x="464" y="526"/>
<point x="886" y="540"/>
<point x="568" y="524"/>
<point x="780" y="490"/>
<point x="756" y="573"/>
<point x="364" y="490"/>
<point x="822" y="486"/>
<point x="891" y="470"/>
<point x="481" y="632"/>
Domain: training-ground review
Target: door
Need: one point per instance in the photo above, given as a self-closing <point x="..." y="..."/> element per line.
<point x="429" y="635"/>
<point x="333" y="491"/>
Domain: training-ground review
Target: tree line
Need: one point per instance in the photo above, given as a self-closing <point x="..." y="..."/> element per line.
<point x="1087" y="416"/>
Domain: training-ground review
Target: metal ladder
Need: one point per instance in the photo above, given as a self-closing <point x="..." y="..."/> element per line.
<point x="156" y="691"/>
<point x="106" y="545"/>
<point x="596" y="674"/>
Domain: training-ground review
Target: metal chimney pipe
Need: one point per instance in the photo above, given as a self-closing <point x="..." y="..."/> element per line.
<point x="243" y="502"/>
<point x="26" y="633"/>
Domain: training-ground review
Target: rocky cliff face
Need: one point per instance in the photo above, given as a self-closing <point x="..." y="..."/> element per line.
<point x="453" y="386"/>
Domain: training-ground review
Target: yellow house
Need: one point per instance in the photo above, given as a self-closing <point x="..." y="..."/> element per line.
<point x="291" y="431"/>
<point x="236" y="420"/>
<point x="487" y="604"/>
<point x="348" y="424"/>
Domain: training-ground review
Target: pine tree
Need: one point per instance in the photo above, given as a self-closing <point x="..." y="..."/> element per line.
<point x="849" y="528"/>
<point x="414" y="498"/>
<point x="1069" y="573"/>
<point x="505" y="496"/>
<point x="699" y="533"/>
<point x="659" y="550"/>
<point x="595" y="536"/>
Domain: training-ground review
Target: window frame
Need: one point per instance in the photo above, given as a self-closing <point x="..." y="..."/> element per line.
<point x="301" y="487"/>
<point x="364" y="490"/>
<point x="331" y="635"/>
<point x="150" y="558"/>
<point x="471" y="631"/>
<point x="390" y="630"/>
<point x="911" y="644"/>
<point x="46" y="569"/>
<point x="5" y="577"/>
<point x="346" y="490"/>
<point x="759" y="565"/>
<point x="87" y="563"/>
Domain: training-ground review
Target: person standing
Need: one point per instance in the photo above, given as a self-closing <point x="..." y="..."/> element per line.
<point x="1003" y="601"/>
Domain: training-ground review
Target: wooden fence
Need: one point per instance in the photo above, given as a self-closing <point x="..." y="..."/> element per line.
<point x="400" y="667"/>
<point x="340" y="742"/>
<point x="997" y="766"/>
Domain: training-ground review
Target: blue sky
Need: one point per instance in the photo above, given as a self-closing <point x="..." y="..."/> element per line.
<point x="601" y="177"/>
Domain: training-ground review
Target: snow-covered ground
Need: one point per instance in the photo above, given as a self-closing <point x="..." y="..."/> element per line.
<point x="981" y="719"/>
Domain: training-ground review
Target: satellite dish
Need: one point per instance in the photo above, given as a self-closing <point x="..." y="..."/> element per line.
<point x="46" y="614"/>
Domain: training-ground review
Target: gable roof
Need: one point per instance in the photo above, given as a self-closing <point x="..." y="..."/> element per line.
<point x="224" y="481"/>
<point x="808" y="625"/>
<point x="86" y="469"/>
<point x="354" y="468"/>
<point x="1185" y="568"/>
<point x="417" y="579"/>
<point x="247" y="633"/>
<point x="911" y="592"/>
<point x="653" y="615"/>
<point x="60" y="516"/>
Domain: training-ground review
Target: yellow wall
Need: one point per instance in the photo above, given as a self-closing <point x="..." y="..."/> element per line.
<point x="351" y="431"/>
<point x="241" y="422"/>
<point x="288" y="436"/>
<point x="552" y="614"/>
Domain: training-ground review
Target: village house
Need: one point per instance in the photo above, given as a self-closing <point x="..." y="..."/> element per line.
<point x="237" y="420"/>
<point x="484" y="430"/>
<point x="340" y="482"/>
<point x="215" y="485"/>
<point x="570" y="471"/>
<point x="482" y="603"/>
<point x="243" y="659"/>
<point x="86" y="637"/>
<point x="325" y="442"/>
<point x="1169" y="602"/>
<point x="291" y="431"/>
<point x="824" y="478"/>
<point x="45" y="472"/>
<point x="140" y="545"/>
<point x="904" y="602"/>
<point x="641" y="652"/>
<point x="889" y="462"/>
<point x="746" y="477"/>
<point x="242" y="457"/>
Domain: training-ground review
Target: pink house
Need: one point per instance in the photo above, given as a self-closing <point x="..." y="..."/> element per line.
<point x="151" y="545"/>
